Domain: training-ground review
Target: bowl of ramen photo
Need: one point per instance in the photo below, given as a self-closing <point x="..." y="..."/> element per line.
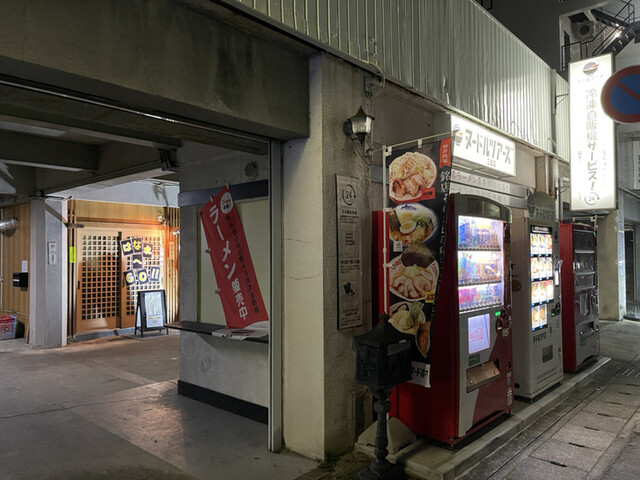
<point x="407" y="316"/>
<point x="411" y="175"/>
<point x="412" y="223"/>
<point x="414" y="274"/>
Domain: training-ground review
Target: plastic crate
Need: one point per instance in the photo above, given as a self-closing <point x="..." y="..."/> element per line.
<point x="7" y="327"/>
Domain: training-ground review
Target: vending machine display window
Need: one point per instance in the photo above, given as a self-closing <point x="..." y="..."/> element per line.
<point x="480" y="263"/>
<point x="541" y="249"/>
<point x="479" y="336"/>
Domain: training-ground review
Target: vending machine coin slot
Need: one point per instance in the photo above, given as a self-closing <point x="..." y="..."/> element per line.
<point x="481" y="375"/>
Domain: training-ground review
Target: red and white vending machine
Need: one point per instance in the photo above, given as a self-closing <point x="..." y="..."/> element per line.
<point x="462" y="373"/>
<point x="580" y="321"/>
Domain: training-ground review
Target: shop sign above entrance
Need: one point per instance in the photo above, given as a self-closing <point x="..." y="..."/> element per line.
<point x="483" y="147"/>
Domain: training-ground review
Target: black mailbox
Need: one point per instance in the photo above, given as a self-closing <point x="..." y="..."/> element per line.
<point x="21" y="280"/>
<point x="383" y="356"/>
<point x="383" y="360"/>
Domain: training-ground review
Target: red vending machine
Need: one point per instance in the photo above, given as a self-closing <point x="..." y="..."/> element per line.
<point x="580" y="321"/>
<point x="469" y="356"/>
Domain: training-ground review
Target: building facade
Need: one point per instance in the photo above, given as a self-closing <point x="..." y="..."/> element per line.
<point x="254" y="95"/>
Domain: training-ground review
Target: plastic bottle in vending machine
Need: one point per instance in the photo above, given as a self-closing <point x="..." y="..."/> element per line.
<point x="473" y="233"/>
<point x="484" y="237"/>
<point x="473" y="267"/>
<point x="462" y="267"/>
<point x="494" y="236"/>
<point x="468" y="298"/>
<point x="497" y="293"/>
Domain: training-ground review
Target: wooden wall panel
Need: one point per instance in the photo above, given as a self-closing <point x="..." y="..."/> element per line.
<point x="172" y="279"/>
<point x="118" y="212"/>
<point x="15" y="249"/>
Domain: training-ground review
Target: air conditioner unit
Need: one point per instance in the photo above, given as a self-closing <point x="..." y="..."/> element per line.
<point x="585" y="31"/>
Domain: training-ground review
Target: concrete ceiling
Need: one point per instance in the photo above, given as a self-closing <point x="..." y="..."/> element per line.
<point x="48" y="152"/>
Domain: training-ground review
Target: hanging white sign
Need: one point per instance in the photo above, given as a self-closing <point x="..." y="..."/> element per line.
<point x="593" y="179"/>
<point x="483" y="147"/>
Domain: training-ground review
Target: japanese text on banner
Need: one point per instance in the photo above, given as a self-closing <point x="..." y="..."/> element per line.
<point x="237" y="284"/>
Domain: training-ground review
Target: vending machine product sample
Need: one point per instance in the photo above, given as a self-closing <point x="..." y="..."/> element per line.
<point x="537" y="326"/>
<point x="580" y="324"/>
<point x="470" y="378"/>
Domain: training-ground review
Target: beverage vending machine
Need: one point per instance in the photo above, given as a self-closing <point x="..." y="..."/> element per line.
<point x="469" y="354"/>
<point x="580" y="325"/>
<point x="537" y="325"/>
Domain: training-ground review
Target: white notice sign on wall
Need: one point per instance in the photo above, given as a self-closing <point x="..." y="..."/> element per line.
<point x="349" y="253"/>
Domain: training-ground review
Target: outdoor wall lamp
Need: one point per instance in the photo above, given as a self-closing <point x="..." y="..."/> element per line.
<point x="358" y="126"/>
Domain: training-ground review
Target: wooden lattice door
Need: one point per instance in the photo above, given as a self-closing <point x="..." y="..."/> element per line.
<point x="153" y="265"/>
<point x="98" y="278"/>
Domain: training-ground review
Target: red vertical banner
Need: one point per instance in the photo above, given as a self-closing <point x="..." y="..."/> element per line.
<point x="237" y="284"/>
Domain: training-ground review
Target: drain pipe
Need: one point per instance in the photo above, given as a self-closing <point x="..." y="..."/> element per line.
<point x="8" y="224"/>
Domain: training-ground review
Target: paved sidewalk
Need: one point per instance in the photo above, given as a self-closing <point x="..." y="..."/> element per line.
<point x="587" y="427"/>
<point x="594" y="434"/>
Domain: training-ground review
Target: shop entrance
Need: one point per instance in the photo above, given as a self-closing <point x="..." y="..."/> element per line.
<point x="103" y="298"/>
<point x="103" y="295"/>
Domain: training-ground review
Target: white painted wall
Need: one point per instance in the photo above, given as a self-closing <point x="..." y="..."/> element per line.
<point x="236" y="368"/>
<point x="239" y="369"/>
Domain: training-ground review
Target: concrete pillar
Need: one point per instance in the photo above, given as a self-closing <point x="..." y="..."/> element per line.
<point x="319" y="392"/>
<point x="303" y="300"/>
<point x="48" y="274"/>
<point x="189" y="243"/>
<point x="611" y="266"/>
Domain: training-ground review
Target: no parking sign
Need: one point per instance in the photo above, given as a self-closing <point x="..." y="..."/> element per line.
<point x="620" y="95"/>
